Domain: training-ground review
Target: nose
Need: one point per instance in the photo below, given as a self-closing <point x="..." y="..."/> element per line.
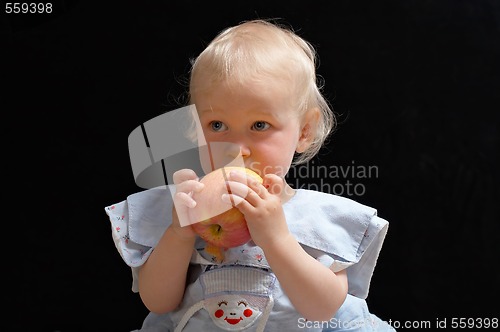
<point x="220" y="154"/>
<point x="238" y="149"/>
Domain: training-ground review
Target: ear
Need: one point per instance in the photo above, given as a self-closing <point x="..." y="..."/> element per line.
<point x="307" y="128"/>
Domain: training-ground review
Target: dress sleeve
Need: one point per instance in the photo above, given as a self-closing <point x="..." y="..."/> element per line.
<point x="138" y="223"/>
<point x="339" y="232"/>
<point x="360" y="274"/>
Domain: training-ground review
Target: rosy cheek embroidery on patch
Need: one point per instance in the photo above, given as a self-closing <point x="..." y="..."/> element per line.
<point x="219" y="313"/>
<point x="248" y="312"/>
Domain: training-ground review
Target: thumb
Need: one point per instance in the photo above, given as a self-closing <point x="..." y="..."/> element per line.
<point x="273" y="183"/>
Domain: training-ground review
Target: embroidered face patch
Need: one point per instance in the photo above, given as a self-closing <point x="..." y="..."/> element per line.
<point x="236" y="297"/>
<point x="235" y="312"/>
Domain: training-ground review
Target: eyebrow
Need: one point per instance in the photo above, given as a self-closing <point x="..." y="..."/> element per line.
<point x="206" y="110"/>
<point x="256" y="112"/>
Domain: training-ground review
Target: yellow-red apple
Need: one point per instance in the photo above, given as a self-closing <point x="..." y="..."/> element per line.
<point x="220" y="225"/>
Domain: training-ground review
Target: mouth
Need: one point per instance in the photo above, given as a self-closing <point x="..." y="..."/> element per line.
<point x="233" y="321"/>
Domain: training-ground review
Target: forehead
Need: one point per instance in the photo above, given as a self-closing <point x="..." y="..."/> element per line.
<point x="253" y="91"/>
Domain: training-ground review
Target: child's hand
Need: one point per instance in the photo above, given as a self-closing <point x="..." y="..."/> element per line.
<point x="186" y="183"/>
<point x="261" y="207"/>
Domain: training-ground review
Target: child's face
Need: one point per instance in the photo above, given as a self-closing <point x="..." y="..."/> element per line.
<point x="258" y="118"/>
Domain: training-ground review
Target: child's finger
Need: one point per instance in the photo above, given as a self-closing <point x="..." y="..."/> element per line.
<point x="237" y="188"/>
<point x="237" y="201"/>
<point x="252" y="191"/>
<point x="274" y="184"/>
<point x="236" y="176"/>
<point x="258" y="188"/>
<point x="184" y="199"/>
<point x="184" y="175"/>
<point x="189" y="186"/>
<point x="248" y="181"/>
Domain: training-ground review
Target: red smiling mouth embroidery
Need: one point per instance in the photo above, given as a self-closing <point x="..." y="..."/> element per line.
<point x="233" y="321"/>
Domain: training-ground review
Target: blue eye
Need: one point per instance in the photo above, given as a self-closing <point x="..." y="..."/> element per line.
<point x="260" y="125"/>
<point x="217" y="126"/>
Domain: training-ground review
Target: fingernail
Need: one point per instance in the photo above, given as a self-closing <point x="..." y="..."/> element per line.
<point x="225" y="198"/>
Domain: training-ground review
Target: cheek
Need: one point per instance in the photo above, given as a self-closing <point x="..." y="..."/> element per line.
<point x="275" y="159"/>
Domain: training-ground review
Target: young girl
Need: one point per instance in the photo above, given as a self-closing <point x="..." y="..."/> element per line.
<point x="311" y="256"/>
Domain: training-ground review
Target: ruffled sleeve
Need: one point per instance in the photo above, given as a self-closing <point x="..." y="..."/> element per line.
<point x="138" y="223"/>
<point x="340" y="232"/>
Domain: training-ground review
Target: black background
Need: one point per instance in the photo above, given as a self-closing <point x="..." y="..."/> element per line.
<point x="416" y="85"/>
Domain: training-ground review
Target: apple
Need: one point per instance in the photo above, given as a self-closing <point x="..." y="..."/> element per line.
<point x="220" y="225"/>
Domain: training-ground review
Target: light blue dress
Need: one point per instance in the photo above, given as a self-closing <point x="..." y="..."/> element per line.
<point x="242" y="293"/>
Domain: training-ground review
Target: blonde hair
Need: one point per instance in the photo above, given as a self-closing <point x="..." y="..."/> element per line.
<point x="262" y="50"/>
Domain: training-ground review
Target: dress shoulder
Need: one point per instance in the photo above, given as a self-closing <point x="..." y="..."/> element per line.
<point x="341" y="231"/>
<point x="138" y="223"/>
